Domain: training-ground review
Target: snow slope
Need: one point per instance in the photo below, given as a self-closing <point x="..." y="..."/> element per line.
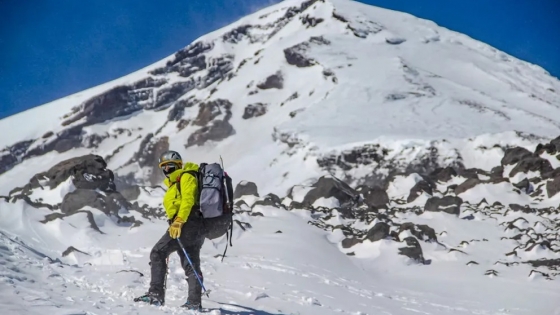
<point x="265" y="272"/>
<point x="299" y="90"/>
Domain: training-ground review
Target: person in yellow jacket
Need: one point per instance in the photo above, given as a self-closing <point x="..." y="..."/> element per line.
<point x="186" y="224"/>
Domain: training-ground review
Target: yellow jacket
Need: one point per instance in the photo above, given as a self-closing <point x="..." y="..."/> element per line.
<point x="181" y="203"/>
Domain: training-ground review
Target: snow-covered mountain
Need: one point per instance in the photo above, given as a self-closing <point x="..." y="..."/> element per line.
<point x="383" y="164"/>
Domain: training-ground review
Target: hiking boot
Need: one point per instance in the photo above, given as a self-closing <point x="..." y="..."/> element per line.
<point x="150" y="298"/>
<point x="192" y="306"/>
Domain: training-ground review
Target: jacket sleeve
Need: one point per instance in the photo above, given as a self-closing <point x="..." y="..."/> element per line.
<point x="189" y="191"/>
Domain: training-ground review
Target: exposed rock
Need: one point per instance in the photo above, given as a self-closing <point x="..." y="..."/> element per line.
<point x="395" y="40"/>
<point x="448" y="204"/>
<point x="109" y="203"/>
<point x="275" y="81"/>
<point x="532" y="164"/>
<point x="178" y="111"/>
<point x="72" y="249"/>
<point x="553" y="186"/>
<point x="148" y="154"/>
<point x="417" y="189"/>
<point x="87" y="172"/>
<point x="254" y="110"/>
<point x="473" y="173"/>
<point x="349" y="242"/>
<point x="310" y="21"/>
<point x="195" y="49"/>
<point x="378" y="232"/>
<point x="208" y="111"/>
<point x="472" y="182"/>
<point x="420" y="231"/>
<point x="327" y="187"/>
<point x="166" y="96"/>
<point x="552" y="148"/>
<point x="514" y="155"/>
<point x="384" y="167"/>
<point x="10" y="156"/>
<point x="149" y="82"/>
<point x="523" y="185"/>
<point x="497" y="171"/>
<point x="443" y="174"/>
<point x="374" y="196"/>
<point x="218" y="130"/>
<point x="245" y="188"/>
<point x="108" y="105"/>
<point x="92" y="185"/>
<point x="413" y="250"/>
<point x="270" y="200"/>
<point x="466" y="185"/>
<point x="131" y="193"/>
<point x="295" y="55"/>
<point x="237" y="34"/>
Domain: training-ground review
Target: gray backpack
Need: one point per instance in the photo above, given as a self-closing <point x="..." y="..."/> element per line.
<point x="215" y="203"/>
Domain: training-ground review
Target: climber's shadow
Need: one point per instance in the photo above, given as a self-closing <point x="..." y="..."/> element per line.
<point x="242" y="310"/>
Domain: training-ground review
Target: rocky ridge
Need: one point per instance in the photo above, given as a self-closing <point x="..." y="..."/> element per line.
<point x="402" y="210"/>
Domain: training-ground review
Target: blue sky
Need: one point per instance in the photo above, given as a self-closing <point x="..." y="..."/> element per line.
<point x="51" y="49"/>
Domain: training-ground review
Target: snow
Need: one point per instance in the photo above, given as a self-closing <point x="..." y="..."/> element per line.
<point x="429" y="88"/>
<point x="269" y="273"/>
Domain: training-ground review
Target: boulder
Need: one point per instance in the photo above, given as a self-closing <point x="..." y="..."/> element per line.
<point x="87" y="172"/>
<point x="374" y="196"/>
<point x="442" y="174"/>
<point x="553" y="186"/>
<point x="532" y="164"/>
<point x="420" y="231"/>
<point x="327" y="187"/>
<point x="378" y="232"/>
<point x="514" y="155"/>
<point x="417" y="189"/>
<point x="245" y="188"/>
<point x="269" y="200"/>
<point x="413" y="250"/>
<point x="447" y="204"/>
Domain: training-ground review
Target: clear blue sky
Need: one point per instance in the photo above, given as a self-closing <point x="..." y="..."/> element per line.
<point x="53" y="48"/>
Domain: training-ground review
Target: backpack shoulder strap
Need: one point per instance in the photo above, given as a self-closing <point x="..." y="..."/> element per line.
<point x="195" y="174"/>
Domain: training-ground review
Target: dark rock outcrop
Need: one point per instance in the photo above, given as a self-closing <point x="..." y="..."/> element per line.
<point x="327" y="187"/>
<point x="212" y="130"/>
<point x="275" y="81"/>
<point x="418" y="189"/>
<point x="413" y="250"/>
<point x="92" y="186"/>
<point x="378" y="232"/>
<point x="295" y="55"/>
<point x="374" y="196"/>
<point x="269" y="200"/>
<point x="254" y="110"/>
<point x="420" y="231"/>
<point x="447" y="204"/>
<point x="245" y="188"/>
<point x="148" y="154"/>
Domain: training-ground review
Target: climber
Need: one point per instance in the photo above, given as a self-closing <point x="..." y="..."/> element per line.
<point x="186" y="224"/>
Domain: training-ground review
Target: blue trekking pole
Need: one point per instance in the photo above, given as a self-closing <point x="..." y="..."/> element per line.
<point x="192" y="266"/>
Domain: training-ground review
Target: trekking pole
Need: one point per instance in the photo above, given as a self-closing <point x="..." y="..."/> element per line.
<point x="192" y="266"/>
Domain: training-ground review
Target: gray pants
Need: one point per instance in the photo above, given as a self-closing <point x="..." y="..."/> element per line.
<point x="192" y="238"/>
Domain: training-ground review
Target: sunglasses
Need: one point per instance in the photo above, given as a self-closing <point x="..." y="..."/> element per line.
<point x="168" y="166"/>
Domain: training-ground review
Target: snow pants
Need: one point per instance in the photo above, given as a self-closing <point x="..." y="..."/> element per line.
<point x="192" y="237"/>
